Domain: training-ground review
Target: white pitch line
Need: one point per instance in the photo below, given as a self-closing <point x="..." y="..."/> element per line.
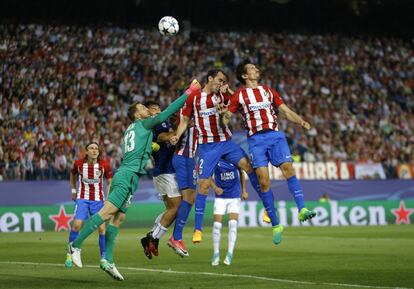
<point x="214" y="274"/>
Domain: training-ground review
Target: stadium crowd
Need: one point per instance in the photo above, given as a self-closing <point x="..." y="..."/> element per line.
<point x="63" y="86"/>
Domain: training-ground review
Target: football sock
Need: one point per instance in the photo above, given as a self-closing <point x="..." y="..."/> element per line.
<point x="157" y="220"/>
<point x="232" y="235"/>
<point x="200" y="206"/>
<point x="269" y="204"/>
<point x="159" y="231"/>
<point x="296" y="190"/>
<point x="90" y="226"/>
<point x="102" y="245"/>
<point x="255" y="182"/>
<point x="73" y="235"/>
<point x="216" y="237"/>
<point x="110" y="236"/>
<point x="182" y="216"/>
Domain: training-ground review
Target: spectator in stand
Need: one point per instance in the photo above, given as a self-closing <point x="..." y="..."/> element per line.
<point x="58" y="82"/>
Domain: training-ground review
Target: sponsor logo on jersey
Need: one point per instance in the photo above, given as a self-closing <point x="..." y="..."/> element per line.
<point x="227" y="176"/>
<point x="208" y="112"/>
<point x="259" y="105"/>
<point x="91" y="181"/>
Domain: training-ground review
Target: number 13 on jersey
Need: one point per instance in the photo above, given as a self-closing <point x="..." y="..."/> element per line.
<point x="129" y="141"/>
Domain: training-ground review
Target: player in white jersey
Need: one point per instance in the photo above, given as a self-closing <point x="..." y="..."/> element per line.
<point x="89" y="197"/>
<point x="165" y="183"/>
<point x="229" y="184"/>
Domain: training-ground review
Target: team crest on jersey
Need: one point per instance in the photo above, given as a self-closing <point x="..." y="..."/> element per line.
<point x="215" y="99"/>
<point x="164" y="124"/>
<point x="98" y="173"/>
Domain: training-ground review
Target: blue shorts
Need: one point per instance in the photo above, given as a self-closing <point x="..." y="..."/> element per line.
<point x="85" y="208"/>
<point x="185" y="172"/>
<point x="211" y="153"/>
<point x="270" y="146"/>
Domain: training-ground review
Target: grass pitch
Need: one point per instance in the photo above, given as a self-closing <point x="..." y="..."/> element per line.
<point x="309" y="257"/>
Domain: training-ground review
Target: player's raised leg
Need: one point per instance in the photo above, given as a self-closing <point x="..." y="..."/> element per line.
<point x="210" y="154"/>
<point x="107" y="263"/>
<point x="108" y="210"/>
<point x="184" y="166"/>
<point x="151" y="240"/>
<point x="176" y="239"/>
<point x="280" y="156"/>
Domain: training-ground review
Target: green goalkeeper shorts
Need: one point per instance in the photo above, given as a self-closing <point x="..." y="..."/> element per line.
<point x="123" y="186"/>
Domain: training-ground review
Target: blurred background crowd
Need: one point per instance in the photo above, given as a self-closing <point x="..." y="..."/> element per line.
<point x="63" y="86"/>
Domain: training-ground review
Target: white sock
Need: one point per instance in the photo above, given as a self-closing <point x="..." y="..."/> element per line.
<point x="157" y="220"/>
<point x="232" y="235"/>
<point x="216" y="237"/>
<point x="159" y="231"/>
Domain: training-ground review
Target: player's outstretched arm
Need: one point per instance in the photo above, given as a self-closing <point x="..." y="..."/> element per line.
<point x="165" y="136"/>
<point x="293" y="116"/>
<point x="225" y="114"/>
<point x="182" y="127"/>
<point x="173" y="107"/>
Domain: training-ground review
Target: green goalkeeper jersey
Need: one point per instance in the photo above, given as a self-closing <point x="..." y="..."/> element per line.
<point x="137" y="141"/>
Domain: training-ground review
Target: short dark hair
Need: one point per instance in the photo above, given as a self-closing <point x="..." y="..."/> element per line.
<point x="151" y="103"/>
<point x="132" y="109"/>
<point x="213" y="73"/>
<point x="241" y="69"/>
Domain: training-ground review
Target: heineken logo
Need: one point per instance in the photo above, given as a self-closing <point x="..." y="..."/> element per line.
<point x="334" y="213"/>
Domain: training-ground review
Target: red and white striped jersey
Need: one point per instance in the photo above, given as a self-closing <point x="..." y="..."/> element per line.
<point x="257" y="107"/>
<point x="91" y="178"/>
<point x="203" y="107"/>
<point x="189" y="140"/>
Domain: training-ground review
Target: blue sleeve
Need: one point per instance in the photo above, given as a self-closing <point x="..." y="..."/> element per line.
<point x="160" y="128"/>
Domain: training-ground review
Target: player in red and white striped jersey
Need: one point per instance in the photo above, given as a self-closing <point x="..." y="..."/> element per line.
<point x="89" y="197"/>
<point x="257" y="104"/>
<point x="187" y="145"/>
<point x="90" y="178"/>
<point x="186" y="176"/>
<point x="203" y="108"/>
<point x="214" y="144"/>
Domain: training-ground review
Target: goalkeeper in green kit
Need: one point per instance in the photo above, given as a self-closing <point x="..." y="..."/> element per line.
<point x="137" y="150"/>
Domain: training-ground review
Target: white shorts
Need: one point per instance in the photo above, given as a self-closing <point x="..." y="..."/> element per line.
<point x="166" y="185"/>
<point x="221" y="206"/>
